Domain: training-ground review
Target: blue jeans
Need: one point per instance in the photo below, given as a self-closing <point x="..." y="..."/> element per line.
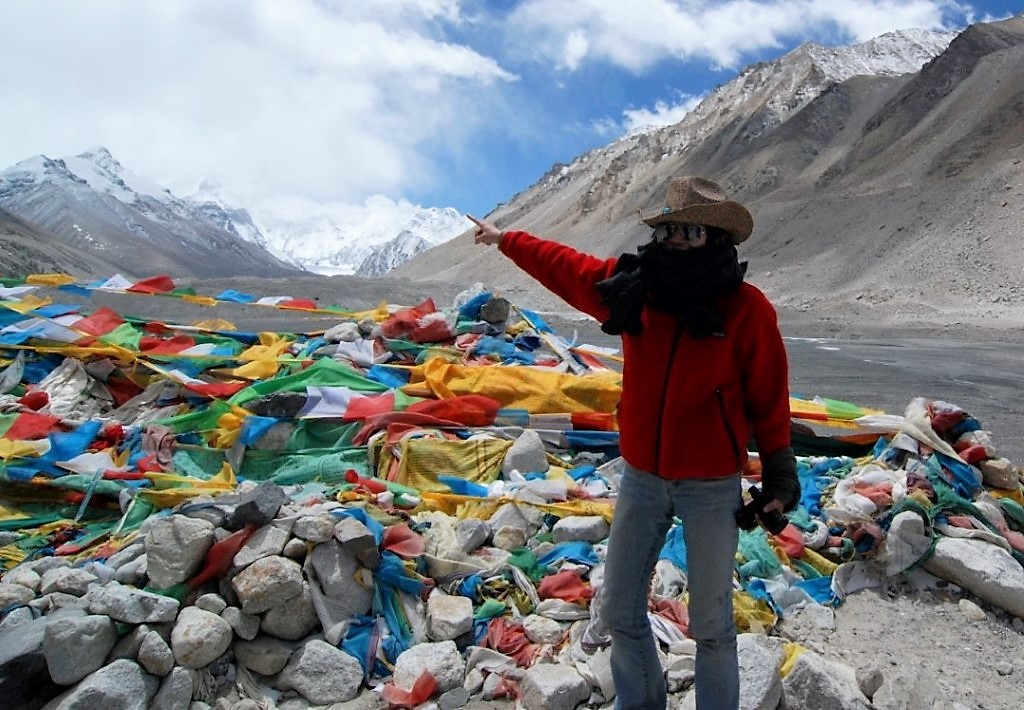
<point x="643" y="515"/>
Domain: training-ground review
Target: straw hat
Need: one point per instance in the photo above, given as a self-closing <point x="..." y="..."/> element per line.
<point x="697" y="200"/>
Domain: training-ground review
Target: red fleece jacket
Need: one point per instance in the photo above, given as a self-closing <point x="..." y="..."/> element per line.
<point x="689" y="406"/>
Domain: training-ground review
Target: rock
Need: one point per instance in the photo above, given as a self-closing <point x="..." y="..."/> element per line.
<point x="680" y="671"/>
<point x="16" y="616"/>
<point x="292" y="619"/>
<point x="256" y="507"/>
<point x="816" y="682"/>
<point x="199" y="637"/>
<point x="908" y="688"/>
<point x="336" y="569"/>
<point x="69" y="580"/>
<point x="175" y="549"/>
<point x="550" y="686"/>
<point x="441" y="659"/>
<point x="760" y="659"/>
<point x="266" y="583"/>
<point x="126" y="554"/>
<point x="540" y="629"/>
<point x="985" y="570"/>
<point x="905" y="544"/>
<point x="48" y="603"/>
<point x="1004" y="668"/>
<point x="175" y="691"/>
<point x="322" y="674"/>
<point x="23" y="576"/>
<point x="133" y="571"/>
<point x="448" y="616"/>
<point x="245" y="626"/>
<point x="14" y="595"/>
<point x="128" y="645"/>
<point x="999" y="473"/>
<point x="122" y="685"/>
<point x="869" y="680"/>
<point x="295" y="549"/>
<point x="315" y="528"/>
<point x="24" y="678"/>
<point x="130" y="605"/>
<point x="453" y="699"/>
<point x="155" y="655"/>
<point x="509" y="537"/>
<point x="358" y="540"/>
<point x="590" y="528"/>
<point x="471" y="534"/>
<point x="268" y="540"/>
<point x="510" y="515"/>
<point x="76" y="647"/>
<point x="526" y="455"/>
<point x="971" y="611"/>
<point x="263" y="655"/>
<point x="213" y="603"/>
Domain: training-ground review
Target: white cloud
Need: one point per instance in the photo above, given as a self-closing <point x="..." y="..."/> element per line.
<point x="333" y="100"/>
<point x="637" y="34"/>
<point x="663" y="114"/>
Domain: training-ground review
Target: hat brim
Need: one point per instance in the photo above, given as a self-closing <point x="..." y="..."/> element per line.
<point x="728" y="215"/>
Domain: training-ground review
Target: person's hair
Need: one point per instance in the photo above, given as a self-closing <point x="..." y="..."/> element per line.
<point x="717" y="235"/>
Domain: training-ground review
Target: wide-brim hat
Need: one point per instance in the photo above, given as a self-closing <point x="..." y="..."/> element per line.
<point x="697" y="200"/>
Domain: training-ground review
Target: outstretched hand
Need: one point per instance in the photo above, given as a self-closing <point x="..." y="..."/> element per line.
<point x="486" y="233"/>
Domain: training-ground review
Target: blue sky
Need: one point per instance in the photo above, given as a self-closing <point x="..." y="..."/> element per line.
<point x="456" y="103"/>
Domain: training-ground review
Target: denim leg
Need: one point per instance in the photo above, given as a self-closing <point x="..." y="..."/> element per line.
<point x="643" y="514"/>
<point x="707" y="509"/>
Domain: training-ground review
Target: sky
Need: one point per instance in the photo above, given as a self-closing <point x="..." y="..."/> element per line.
<point x="436" y="103"/>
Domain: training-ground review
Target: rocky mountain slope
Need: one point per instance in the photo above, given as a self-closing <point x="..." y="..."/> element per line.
<point x="892" y="198"/>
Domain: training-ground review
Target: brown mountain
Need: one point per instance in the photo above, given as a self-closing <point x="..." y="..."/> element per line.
<point x="888" y="199"/>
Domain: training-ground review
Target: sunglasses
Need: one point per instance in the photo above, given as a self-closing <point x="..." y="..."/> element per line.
<point x="695" y="235"/>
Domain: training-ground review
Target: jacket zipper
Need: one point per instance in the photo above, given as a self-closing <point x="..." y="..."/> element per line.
<point x="664" y="394"/>
<point x="728" y="429"/>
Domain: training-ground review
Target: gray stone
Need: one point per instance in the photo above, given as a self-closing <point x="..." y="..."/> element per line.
<point x="245" y="626"/>
<point x="358" y="540"/>
<point x="441" y="659"/>
<point x="15" y="617"/>
<point x="263" y="655"/>
<point x="128" y="645"/>
<point x="295" y="549"/>
<point x="760" y="659"/>
<point x="908" y="687"/>
<point x="155" y="655"/>
<point x="126" y="554"/>
<point x="680" y="671"/>
<point x="175" y="549"/>
<point x="257" y="507"/>
<point x="589" y="528"/>
<point x="48" y="603"/>
<point x="76" y="647"/>
<point x="526" y="455"/>
<point x="322" y="674"/>
<point x="292" y="619"/>
<point x="540" y="629"/>
<point x="133" y="571"/>
<point x="315" y="528"/>
<point x="509" y="538"/>
<point x="130" y="605"/>
<point x="448" y="616"/>
<point x="336" y="569"/>
<point x="816" y="682"/>
<point x="44" y="564"/>
<point x="550" y="686"/>
<point x="869" y="680"/>
<point x="266" y="583"/>
<point x="122" y="685"/>
<point x="268" y="540"/>
<point x="199" y="637"/>
<point x="24" y="576"/>
<point x="510" y="515"/>
<point x="15" y="594"/>
<point x="213" y="603"/>
<point x="999" y="473"/>
<point x="68" y="580"/>
<point x="175" y="690"/>
<point x="24" y="677"/>
<point x="984" y="569"/>
<point x="471" y="534"/>
<point x="452" y="699"/>
<point x="971" y="611"/>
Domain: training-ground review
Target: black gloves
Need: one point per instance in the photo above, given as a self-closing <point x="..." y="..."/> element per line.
<point x="779" y="479"/>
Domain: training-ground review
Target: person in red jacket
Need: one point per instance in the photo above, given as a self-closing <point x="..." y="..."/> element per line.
<point x="704" y="372"/>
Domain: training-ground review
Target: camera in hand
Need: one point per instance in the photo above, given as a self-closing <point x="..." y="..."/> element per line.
<point x="753" y="512"/>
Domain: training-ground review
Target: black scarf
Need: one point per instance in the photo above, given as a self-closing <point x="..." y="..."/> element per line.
<point x="685" y="283"/>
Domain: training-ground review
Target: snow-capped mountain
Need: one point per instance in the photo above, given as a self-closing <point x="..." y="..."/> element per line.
<point x="90" y="203"/>
<point x="94" y="204"/>
<point x="368" y="239"/>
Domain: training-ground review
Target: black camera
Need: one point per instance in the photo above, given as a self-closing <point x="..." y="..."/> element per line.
<point x="753" y="512"/>
<point x="623" y="294"/>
